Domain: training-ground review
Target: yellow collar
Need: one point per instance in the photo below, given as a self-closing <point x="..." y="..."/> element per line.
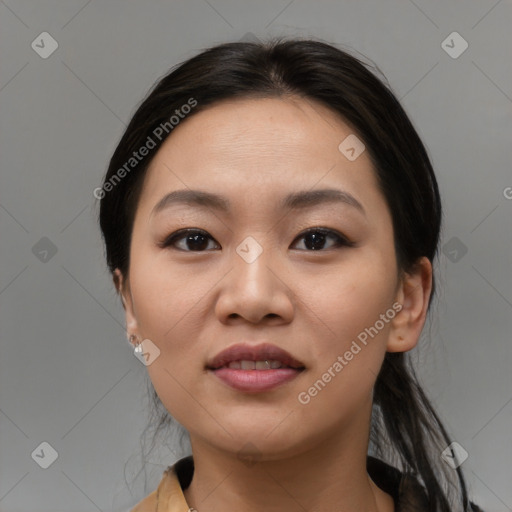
<point x="168" y="497"/>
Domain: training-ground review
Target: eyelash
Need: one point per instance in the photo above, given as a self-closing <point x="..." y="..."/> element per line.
<point x="342" y="241"/>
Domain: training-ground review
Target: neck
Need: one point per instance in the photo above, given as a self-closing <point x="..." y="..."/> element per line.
<point x="331" y="475"/>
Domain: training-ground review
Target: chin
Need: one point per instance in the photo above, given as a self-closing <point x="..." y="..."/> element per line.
<point x="267" y="443"/>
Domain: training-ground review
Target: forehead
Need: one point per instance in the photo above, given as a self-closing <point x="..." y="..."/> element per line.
<point x="258" y="147"/>
<point x="264" y="127"/>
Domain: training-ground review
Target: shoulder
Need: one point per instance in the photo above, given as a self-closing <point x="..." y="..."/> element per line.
<point x="148" y="504"/>
<point x="169" y="494"/>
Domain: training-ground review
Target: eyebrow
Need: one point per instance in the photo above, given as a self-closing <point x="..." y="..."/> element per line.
<point x="293" y="201"/>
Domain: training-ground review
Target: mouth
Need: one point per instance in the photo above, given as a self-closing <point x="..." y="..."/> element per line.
<point x="255" y="369"/>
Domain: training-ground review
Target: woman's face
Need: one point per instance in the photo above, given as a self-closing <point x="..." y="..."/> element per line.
<point x="254" y="277"/>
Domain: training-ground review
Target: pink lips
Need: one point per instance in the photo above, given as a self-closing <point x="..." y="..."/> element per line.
<point x="254" y="381"/>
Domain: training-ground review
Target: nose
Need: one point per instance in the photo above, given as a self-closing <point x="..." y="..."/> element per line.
<point x="255" y="290"/>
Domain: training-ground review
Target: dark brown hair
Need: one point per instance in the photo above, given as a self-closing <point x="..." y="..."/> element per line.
<point x="405" y="428"/>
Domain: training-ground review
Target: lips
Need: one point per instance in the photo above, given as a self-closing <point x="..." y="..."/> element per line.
<point x="259" y="353"/>
<point x="255" y="369"/>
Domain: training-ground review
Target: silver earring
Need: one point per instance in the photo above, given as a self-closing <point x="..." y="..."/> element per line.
<point x="137" y="344"/>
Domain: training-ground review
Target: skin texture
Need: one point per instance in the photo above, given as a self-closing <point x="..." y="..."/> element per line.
<point x="312" y="303"/>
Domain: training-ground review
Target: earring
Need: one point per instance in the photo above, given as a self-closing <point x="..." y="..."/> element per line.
<point x="137" y="344"/>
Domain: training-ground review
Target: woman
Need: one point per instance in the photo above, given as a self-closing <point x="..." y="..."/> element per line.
<point x="271" y="218"/>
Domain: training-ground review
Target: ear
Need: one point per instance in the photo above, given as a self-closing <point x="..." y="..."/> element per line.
<point x="413" y="294"/>
<point x="123" y="289"/>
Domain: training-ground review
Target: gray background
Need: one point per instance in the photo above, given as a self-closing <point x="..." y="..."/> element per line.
<point x="68" y="376"/>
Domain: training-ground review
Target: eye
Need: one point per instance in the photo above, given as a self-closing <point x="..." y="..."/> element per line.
<point x="194" y="239"/>
<point x="315" y="239"/>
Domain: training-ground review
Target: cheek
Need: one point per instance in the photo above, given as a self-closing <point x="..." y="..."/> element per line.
<point x="348" y="354"/>
<point x="352" y="315"/>
<point x="349" y="298"/>
<point x="171" y="309"/>
<point x="166" y="296"/>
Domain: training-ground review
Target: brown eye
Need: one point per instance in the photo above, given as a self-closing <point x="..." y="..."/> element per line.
<point x="197" y="240"/>
<point x="191" y="240"/>
<point x="315" y="239"/>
